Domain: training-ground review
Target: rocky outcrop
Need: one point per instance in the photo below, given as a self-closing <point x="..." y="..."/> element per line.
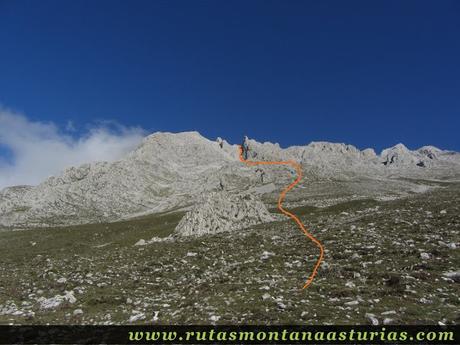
<point x="223" y="211"/>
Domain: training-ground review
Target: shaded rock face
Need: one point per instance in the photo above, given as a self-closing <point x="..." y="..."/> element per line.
<point x="223" y="211"/>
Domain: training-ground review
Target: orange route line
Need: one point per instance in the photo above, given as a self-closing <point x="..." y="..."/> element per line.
<point x="281" y="198"/>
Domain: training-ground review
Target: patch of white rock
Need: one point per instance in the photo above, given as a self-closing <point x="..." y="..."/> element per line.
<point x="222" y="211"/>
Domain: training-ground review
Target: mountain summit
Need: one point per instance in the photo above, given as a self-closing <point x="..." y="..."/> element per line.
<point x="170" y="171"/>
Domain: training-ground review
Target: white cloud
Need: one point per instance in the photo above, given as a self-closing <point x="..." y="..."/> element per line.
<point x="40" y="149"/>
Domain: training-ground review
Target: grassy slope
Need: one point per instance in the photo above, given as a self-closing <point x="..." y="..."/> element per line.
<point x="374" y="245"/>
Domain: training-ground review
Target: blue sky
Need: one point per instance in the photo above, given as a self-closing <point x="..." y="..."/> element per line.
<point x="368" y="73"/>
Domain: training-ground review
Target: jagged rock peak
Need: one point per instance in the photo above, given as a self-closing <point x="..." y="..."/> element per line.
<point x="430" y="148"/>
<point x="173" y="139"/>
<point x="431" y="152"/>
<point x="333" y="147"/>
<point x="254" y="150"/>
<point x="187" y="147"/>
<point x="399" y="155"/>
<point x="370" y="153"/>
<point x="398" y="147"/>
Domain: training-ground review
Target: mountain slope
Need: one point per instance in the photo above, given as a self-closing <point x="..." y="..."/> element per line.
<point x="170" y="171"/>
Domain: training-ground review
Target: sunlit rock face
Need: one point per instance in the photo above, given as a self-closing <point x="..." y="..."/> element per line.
<point x="222" y="211"/>
<point x="170" y="171"/>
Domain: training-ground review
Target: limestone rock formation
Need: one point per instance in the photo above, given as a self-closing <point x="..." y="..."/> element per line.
<point x="223" y="211"/>
<point x="169" y="170"/>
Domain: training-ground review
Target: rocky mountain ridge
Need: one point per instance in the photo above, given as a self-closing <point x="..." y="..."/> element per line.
<point x="170" y="171"/>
